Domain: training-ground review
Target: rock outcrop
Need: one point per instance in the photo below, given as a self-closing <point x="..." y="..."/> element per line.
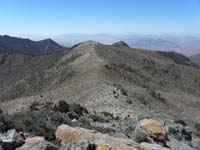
<point x="37" y="143"/>
<point x="149" y="130"/>
<point x="11" y="140"/>
<point x="66" y="134"/>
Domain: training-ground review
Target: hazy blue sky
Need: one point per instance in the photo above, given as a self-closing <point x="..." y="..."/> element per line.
<point x="21" y="17"/>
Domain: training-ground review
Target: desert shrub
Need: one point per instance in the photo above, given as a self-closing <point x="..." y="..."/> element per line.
<point x="197" y="133"/>
<point x="107" y="114"/>
<point x="179" y="121"/>
<point x="129" y="101"/>
<point x="3" y="59"/>
<point x="124" y="92"/>
<point x="96" y="118"/>
<point x="171" y="130"/>
<point x="80" y="110"/>
<point x="142" y="99"/>
<point x="34" y="105"/>
<point x="178" y="137"/>
<point x="74" y="57"/>
<point x="175" y="133"/>
<point x="197" y="126"/>
<point x="197" y="129"/>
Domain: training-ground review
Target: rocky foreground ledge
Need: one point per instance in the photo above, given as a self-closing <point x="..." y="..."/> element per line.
<point x="62" y="126"/>
<point x="74" y="139"/>
<point x="82" y="139"/>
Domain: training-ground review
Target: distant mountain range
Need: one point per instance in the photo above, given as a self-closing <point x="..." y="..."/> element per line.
<point x="187" y="45"/>
<point x="26" y="46"/>
<point x="155" y="44"/>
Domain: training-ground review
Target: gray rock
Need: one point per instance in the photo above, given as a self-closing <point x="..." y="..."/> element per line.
<point x="85" y="145"/>
<point x="141" y="135"/>
<point x="72" y="115"/>
<point x="147" y="146"/>
<point x="37" y="143"/>
<point x="11" y="139"/>
<point x="184" y="132"/>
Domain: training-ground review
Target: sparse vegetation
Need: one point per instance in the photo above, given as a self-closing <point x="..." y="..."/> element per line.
<point x="3" y="59"/>
<point x="179" y="121"/>
<point x="172" y="131"/>
<point x="96" y="118"/>
<point x="74" y="57"/>
<point x="107" y="114"/>
<point x="197" y="126"/>
<point x="197" y="129"/>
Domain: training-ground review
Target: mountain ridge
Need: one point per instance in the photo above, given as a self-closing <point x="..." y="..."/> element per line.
<point x="123" y="84"/>
<point x="10" y="44"/>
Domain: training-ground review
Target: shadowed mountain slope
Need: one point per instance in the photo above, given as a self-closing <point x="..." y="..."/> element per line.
<point x="120" y="44"/>
<point x="25" y="46"/>
<point x="196" y="58"/>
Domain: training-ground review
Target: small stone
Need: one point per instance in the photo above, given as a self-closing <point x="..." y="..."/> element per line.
<point x="72" y="115"/>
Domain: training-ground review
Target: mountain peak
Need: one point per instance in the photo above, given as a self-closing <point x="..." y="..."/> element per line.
<point x="26" y="46"/>
<point x="120" y="44"/>
<point x="86" y="43"/>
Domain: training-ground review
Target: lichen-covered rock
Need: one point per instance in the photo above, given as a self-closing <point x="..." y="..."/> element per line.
<point x="66" y="134"/>
<point x="149" y="130"/>
<point x="37" y="143"/>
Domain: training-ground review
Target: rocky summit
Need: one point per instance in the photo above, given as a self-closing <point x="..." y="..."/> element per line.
<point x="98" y="97"/>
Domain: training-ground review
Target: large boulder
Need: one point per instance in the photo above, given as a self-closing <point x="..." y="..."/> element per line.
<point x="11" y="139"/>
<point x="151" y="131"/>
<point x="66" y="134"/>
<point x="61" y="106"/>
<point x="37" y="143"/>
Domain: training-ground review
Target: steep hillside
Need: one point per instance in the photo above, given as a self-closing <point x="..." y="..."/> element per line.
<point x="121" y="82"/>
<point x="25" y="46"/>
<point x="92" y="73"/>
<point x="196" y="58"/>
